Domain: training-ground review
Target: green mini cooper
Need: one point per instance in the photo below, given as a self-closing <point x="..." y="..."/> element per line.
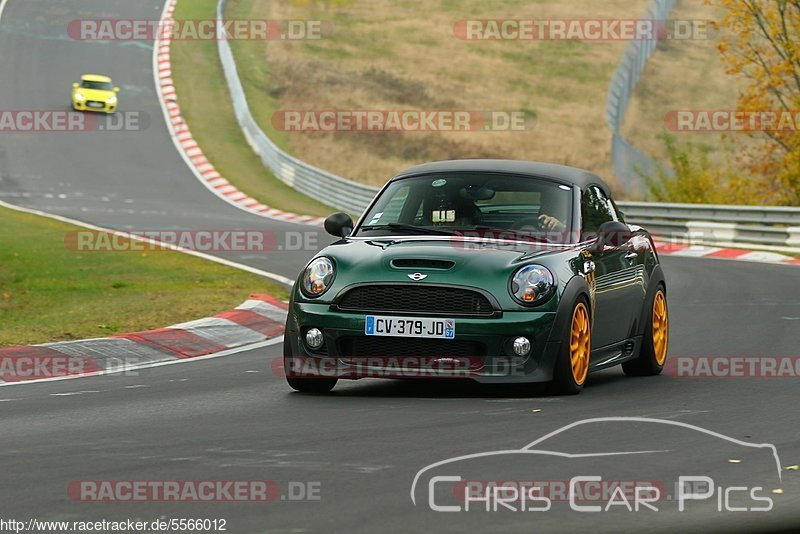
<point x="492" y="270"/>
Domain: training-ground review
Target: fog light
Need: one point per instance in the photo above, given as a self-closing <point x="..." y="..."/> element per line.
<point x="314" y="338"/>
<point x="522" y="346"/>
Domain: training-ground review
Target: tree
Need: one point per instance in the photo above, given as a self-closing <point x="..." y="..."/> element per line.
<point x="761" y="45"/>
<point x="694" y="180"/>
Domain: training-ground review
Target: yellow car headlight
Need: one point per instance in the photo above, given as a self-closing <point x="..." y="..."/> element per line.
<point x="80" y="97"/>
<point x="112" y="100"/>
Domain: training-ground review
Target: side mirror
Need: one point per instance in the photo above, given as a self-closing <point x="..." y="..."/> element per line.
<point x="116" y="89"/>
<point x="613" y="234"/>
<point x="339" y="224"/>
<point x="75" y="85"/>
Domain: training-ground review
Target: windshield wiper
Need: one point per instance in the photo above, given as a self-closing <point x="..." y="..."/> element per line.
<point x="522" y="235"/>
<point x="519" y="234"/>
<point x="407" y="227"/>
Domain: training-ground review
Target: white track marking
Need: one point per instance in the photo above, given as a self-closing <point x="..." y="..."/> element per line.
<point x="272" y="276"/>
<point x="122" y="369"/>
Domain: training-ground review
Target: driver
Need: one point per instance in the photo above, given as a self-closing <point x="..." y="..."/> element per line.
<point x="550" y="223"/>
<point x="551" y="216"/>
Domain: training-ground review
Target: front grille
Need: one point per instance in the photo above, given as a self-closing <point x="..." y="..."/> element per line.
<point x="322" y="351"/>
<point x="408" y="347"/>
<point x="439" y="300"/>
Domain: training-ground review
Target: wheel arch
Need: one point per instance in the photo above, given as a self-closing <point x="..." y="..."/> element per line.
<point x="656" y="280"/>
<point x="576" y="288"/>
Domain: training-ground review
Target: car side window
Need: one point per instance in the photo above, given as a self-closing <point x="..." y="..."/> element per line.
<point x="596" y="208"/>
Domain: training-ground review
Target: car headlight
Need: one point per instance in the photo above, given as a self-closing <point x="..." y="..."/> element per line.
<point x="532" y="284"/>
<point x="112" y="100"/>
<point x="79" y="96"/>
<point x="318" y="277"/>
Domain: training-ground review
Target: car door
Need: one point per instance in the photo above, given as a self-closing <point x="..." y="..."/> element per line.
<point x="618" y="274"/>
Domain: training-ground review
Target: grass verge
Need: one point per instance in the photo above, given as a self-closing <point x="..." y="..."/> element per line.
<point x="684" y="75"/>
<point x="386" y="55"/>
<point x="51" y="293"/>
<point x="205" y="104"/>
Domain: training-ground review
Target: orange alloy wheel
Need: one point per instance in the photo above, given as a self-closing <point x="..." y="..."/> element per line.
<point x="580" y="344"/>
<point x="660" y="327"/>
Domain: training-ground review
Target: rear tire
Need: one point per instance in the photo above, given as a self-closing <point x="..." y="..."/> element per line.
<point x="653" y="353"/>
<point x="572" y="365"/>
<point x="312" y="385"/>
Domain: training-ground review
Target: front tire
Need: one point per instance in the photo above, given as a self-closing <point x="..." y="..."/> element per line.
<point x="572" y="365"/>
<point x="653" y="353"/>
<point x="311" y="385"/>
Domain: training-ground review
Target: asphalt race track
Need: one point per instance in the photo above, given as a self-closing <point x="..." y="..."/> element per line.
<point x="233" y="418"/>
<point x="126" y="180"/>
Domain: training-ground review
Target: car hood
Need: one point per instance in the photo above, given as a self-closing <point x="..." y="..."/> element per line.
<point x="381" y="253"/>
<point x="487" y="265"/>
<point x="94" y="94"/>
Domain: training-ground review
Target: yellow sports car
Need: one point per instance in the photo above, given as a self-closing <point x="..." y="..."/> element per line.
<point x="94" y="93"/>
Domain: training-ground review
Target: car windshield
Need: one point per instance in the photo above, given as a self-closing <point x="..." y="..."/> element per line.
<point x="102" y="86"/>
<point x="522" y="207"/>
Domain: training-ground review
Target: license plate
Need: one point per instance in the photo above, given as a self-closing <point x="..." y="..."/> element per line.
<point x="95" y="105"/>
<point x="410" y="327"/>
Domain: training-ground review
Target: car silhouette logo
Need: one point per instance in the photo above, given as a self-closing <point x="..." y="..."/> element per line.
<point x="418" y="276"/>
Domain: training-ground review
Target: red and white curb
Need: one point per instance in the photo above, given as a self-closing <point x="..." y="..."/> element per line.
<point x="189" y="148"/>
<point x="702" y="251"/>
<point x="259" y="319"/>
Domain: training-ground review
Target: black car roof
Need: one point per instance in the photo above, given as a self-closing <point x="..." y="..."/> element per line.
<point x="559" y="173"/>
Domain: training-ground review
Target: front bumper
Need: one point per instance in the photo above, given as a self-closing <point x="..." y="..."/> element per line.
<point x="102" y="107"/>
<point x="493" y="363"/>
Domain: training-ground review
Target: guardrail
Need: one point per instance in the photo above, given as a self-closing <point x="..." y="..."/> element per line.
<point x="762" y="227"/>
<point x="314" y="182"/>
<point x="353" y="197"/>
<point x="768" y="227"/>
<point x="627" y="160"/>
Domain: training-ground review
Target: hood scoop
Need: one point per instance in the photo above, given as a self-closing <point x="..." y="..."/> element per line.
<point x="422" y="263"/>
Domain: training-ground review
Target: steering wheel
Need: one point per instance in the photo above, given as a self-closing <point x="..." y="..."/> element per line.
<point x="529" y="222"/>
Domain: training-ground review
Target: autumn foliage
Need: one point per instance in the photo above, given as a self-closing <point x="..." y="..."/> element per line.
<point x="760" y="47"/>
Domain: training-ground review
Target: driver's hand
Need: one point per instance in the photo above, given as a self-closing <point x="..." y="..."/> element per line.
<point x="550" y="223"/>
